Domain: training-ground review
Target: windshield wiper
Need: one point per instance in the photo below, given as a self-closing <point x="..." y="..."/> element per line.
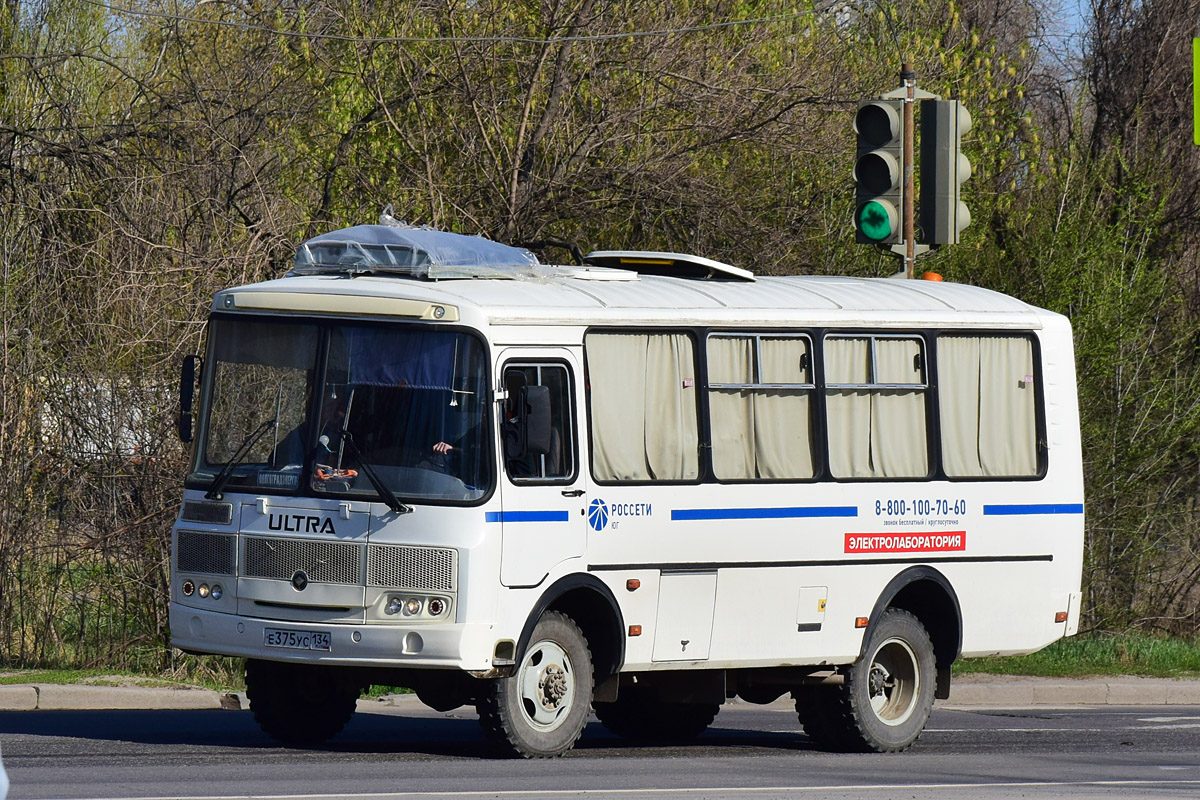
<point x="214" y="490"/>
<point x="389" y="497"/>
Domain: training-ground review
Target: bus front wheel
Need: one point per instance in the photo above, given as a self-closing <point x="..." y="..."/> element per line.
<point x="540" y="710"/>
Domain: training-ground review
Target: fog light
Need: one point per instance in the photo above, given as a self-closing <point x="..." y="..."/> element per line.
<point x="217" y="591"/>
<point x="203" y="590"/>
<point x="412" y="606"/>
<point x="393" y="606"/>
<point x="437" y="606"/>
<point x="188" y="588"/>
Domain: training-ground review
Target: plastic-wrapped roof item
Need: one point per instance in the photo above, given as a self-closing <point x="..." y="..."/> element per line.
<point x="415" y="252"/>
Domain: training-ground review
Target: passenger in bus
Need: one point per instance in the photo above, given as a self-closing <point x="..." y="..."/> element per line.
<point x="291" y="449"/>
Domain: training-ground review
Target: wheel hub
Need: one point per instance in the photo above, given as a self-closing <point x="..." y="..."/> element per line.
<point x="880" y="682"/>
<point x="893" y="683"/>
<point x="552" y="686"/>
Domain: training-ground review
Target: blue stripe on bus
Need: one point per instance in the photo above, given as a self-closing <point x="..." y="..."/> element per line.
<point x="764" y="513"/>
<point x="1044" y="508"/>
<point x="527" y="516"/>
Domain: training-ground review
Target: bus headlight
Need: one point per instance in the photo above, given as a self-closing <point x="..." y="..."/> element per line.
<point x="412" y="607"/>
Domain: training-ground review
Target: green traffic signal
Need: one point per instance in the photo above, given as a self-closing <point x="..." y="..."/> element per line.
<point x="877" y="220"/>
<point x="878" y="171"/>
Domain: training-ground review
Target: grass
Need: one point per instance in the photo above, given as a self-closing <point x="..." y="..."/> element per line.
<point x="1098" y="654"/>
<point x="9" y="677"/>
<point x="102" y="677"/>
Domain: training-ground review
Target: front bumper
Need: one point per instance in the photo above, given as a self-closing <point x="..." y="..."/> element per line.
<point x="466" y="646"/>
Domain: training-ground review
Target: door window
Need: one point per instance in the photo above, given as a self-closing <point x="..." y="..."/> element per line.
<point x="529" y="457"/>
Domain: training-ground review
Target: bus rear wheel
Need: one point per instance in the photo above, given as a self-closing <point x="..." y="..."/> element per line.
<point x="887" y="695"/>
<point x="819" y="709"/>
<point x="540" y="710"/>
<point x="639" y="715"/>
<point x="300" y="704"/>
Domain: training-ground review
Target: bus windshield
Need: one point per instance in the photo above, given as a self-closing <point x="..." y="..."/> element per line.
<point x="334" y="409"/>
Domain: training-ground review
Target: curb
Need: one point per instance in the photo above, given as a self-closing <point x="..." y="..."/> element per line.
<point x="970" y="690"/>
<point x="1023" y="691"/>
<point x="75" y="697"/>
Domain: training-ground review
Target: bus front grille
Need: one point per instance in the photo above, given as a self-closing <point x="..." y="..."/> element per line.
<point x="323" y="562"/>
<point x="430" y="569"/>
<point x="210" y="553"/>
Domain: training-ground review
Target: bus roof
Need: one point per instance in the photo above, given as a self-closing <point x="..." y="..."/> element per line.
<point x="398" y="270"/>
<point x="576" y="296"/>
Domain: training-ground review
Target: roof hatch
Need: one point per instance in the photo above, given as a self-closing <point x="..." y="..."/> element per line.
<point x="674" y="265"/>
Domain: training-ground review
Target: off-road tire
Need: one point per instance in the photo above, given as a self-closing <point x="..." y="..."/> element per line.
<point x="639" y="715"/>
<point x="300" y="704"/>
<point x="887" y="695"/>
<point x="819" y="711"/>
<point x="540" y="711"/>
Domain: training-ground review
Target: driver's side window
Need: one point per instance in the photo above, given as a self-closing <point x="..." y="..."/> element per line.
<point x="537" y="423"/>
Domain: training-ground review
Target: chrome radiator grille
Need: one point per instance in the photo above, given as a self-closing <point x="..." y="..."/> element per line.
<point x="279" y="559"/>
<point x="430" y="569"/>
<point x="212" y="553"/>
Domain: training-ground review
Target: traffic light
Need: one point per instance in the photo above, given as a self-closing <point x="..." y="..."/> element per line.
<point x="879" y="171"/>
<point x="943" y="169"/>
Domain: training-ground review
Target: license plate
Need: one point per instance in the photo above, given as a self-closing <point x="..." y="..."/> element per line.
<point x="296" y="640"/>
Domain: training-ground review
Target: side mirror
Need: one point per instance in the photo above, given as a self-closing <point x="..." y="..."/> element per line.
<point x="187" y="387"/>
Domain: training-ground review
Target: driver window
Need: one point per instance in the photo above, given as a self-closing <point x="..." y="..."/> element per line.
<point x="558" y="462"/>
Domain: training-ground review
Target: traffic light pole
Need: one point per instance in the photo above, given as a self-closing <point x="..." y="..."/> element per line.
<point x="884" y="171"/>
<point x="905" y="245"/>
<point x="908" y="79"/>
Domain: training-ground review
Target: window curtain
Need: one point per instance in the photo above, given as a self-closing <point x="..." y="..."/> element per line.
<point x="731" y="411"/>
<point x="759" y="433"/>
<point x="875" y="432"/>
<point x="899" y="447"/>
<point x="671" y="434"/>
<point x="988" y="406"/>
<point x="643" y="407"/>
<point x="848" y="410"/>
<point x="958" y="401"/>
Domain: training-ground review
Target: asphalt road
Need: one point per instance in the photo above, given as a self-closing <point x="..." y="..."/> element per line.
<point x="750" y="752"/>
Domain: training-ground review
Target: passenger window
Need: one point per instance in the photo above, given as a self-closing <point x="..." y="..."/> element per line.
<point x="875" y="405"/>
<point x="538" y="455"/>
<point x="642" y="390"/>
<point x="760" y="410"/>
<point x="986" y="397"/>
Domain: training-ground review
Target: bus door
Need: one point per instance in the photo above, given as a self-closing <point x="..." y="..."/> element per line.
<point x="543" y="489"/>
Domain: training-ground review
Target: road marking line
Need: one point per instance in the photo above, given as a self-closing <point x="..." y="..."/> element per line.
<point x="1029" y="730"/>
<point x="724" y="791"/>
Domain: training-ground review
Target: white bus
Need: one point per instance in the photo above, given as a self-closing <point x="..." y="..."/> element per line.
<point x="637" y="487"/>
